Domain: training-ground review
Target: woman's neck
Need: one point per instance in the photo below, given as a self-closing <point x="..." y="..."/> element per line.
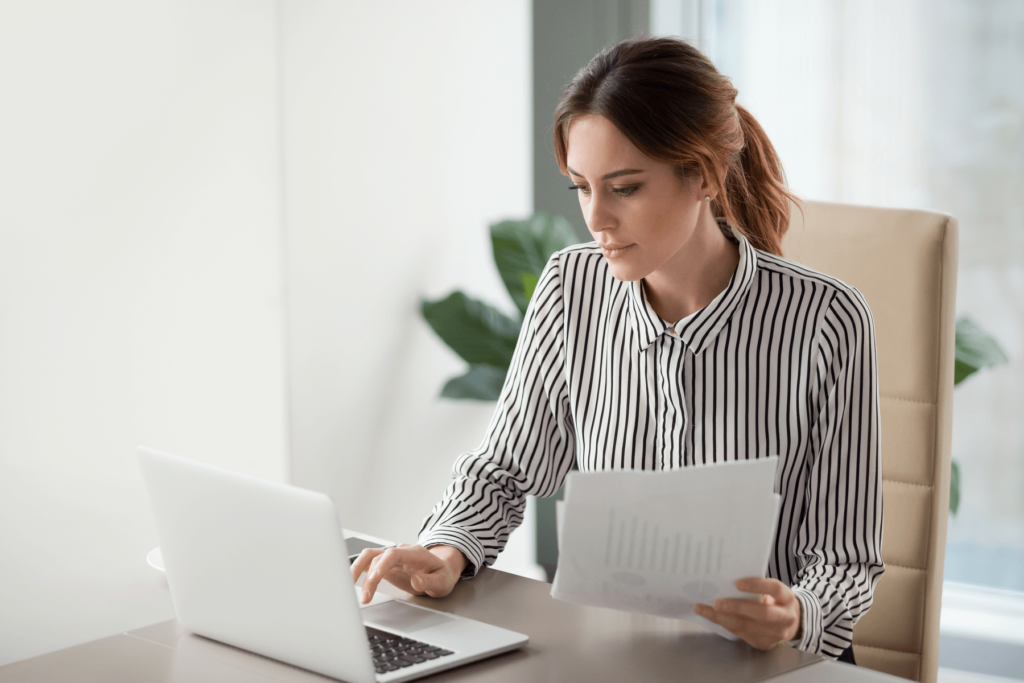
<point x="698" y="272"/>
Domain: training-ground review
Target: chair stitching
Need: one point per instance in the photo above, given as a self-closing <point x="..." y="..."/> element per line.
<point x="903" y="566"/>
<point x="887" y="649"/>
<point x="907" y="400"/>
<point x="908" y="483"/>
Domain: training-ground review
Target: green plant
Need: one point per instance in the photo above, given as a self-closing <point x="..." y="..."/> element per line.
<point x="975" y="349"/>
<point x="482" y="335"/>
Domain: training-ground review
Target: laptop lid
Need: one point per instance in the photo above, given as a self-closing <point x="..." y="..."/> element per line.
<point x="212" y="522"/>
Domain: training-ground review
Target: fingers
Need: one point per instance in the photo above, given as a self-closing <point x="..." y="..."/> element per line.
<point x="746" y="608"/>
<point x="764" y="623"/>
<point x="436" y="584"/>
<point x="733" y="622"/>
<point x="773" y="587"/>
<point x="413" y="569"/>
<point x="750" y="630"/>
<point x="380" y="565"/>
<point x="363" y="562"/>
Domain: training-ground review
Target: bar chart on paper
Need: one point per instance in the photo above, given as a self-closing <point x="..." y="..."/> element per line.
<point x="658" y="543"/>
<point x="638" y="547"/>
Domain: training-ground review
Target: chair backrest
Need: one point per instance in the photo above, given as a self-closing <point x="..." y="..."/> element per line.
<point x="904" y="263"/>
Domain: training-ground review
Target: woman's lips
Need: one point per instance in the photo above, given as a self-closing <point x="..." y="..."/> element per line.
<point x="613" y="251"/>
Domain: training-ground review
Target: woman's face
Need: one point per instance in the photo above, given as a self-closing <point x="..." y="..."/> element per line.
<point x="640" y="212"/>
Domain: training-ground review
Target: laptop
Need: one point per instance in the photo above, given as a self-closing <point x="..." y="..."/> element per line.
<point x="264" y="567"/>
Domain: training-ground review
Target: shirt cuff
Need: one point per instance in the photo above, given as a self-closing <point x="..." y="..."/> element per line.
<point x="459" y="538"/>
<point x="810" y="610"/>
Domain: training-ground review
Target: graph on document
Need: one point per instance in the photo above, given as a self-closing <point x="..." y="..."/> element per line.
<point x="635" y="544"/>
<point x="660" y="543"/>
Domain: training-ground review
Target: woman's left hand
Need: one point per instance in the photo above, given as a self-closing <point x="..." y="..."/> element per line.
<point x="776" y="618"/>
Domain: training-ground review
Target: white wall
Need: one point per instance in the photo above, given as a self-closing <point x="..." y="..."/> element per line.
<point x="140" y="290"/>
<point x="408" y="131"/>
<point x="144" y="265"/>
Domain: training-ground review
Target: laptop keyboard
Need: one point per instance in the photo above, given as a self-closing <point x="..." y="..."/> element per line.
<point x="391" y="652"/>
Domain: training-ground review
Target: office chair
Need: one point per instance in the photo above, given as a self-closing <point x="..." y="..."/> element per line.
<point x="904" y="262"/>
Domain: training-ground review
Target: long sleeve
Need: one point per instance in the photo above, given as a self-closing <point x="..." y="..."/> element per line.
<point x="839" y="540"/>
<point x="529" y="445"/>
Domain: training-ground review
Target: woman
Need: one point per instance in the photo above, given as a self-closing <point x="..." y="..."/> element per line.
<point x="681" y="337"/>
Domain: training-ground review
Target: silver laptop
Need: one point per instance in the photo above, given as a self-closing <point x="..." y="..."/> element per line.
<point x="264" y="566"/>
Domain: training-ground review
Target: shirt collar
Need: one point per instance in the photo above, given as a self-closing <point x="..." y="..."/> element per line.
<point x="699" y="329"/>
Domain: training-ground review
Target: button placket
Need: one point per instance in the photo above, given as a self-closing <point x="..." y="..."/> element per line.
<point x="670" y="388"/>
<point x="662" y="397"/>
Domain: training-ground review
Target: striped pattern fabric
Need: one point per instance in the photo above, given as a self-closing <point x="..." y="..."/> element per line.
<point x="782" y="362"/>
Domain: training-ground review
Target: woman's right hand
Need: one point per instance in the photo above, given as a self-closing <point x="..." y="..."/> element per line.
<point x="412" y="568"/>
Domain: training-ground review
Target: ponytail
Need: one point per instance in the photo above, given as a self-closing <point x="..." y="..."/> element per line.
<point x="756" y="197"/>
<point x="670" y="101"/>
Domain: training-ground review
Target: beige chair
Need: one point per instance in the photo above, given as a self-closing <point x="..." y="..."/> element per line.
<point x="904" y="262"/>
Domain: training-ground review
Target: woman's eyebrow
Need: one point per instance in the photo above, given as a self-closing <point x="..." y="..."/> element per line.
<point x="609" y="176"/>
<point x="625" y="171"/>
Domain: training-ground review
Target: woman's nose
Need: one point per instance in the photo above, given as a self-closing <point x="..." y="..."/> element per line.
<point x="599" y="217"/>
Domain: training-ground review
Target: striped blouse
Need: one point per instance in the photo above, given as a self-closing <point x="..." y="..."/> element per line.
<point x="781" y="362"/>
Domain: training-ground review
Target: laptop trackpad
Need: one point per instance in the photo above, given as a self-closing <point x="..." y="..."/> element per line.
<point x="399" y="616"/>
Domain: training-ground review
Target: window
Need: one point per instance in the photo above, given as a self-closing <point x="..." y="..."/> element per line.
<point x="911" y="104"/>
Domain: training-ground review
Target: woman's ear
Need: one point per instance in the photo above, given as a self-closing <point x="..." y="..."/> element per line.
<point x="706" y="190"/>
<point x="692" y="182"/>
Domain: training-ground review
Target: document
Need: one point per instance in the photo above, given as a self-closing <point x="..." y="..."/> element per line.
<point x="660" y="542"/>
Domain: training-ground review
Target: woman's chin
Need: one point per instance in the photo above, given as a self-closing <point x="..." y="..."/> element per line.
<point x="623" y="270"/>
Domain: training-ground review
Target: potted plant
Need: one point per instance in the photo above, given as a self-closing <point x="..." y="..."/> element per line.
<point x="975" y="350"/>
<point x="486" y="338"/>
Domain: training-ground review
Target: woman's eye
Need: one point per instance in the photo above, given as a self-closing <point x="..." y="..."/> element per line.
<point x="582" y="188"/>
<point x="626" y="191"/>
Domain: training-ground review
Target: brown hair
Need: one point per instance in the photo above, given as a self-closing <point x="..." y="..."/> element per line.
<point x="670" y="101"/>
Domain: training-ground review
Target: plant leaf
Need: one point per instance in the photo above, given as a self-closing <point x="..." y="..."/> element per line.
<point x="529" y="284"/>
<point x="479" y="333"/>
<point x="975" y="349"/>
<point x="524" y="247"/>
<point x="481" y="383"/>
<point x="954" y="488"/>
